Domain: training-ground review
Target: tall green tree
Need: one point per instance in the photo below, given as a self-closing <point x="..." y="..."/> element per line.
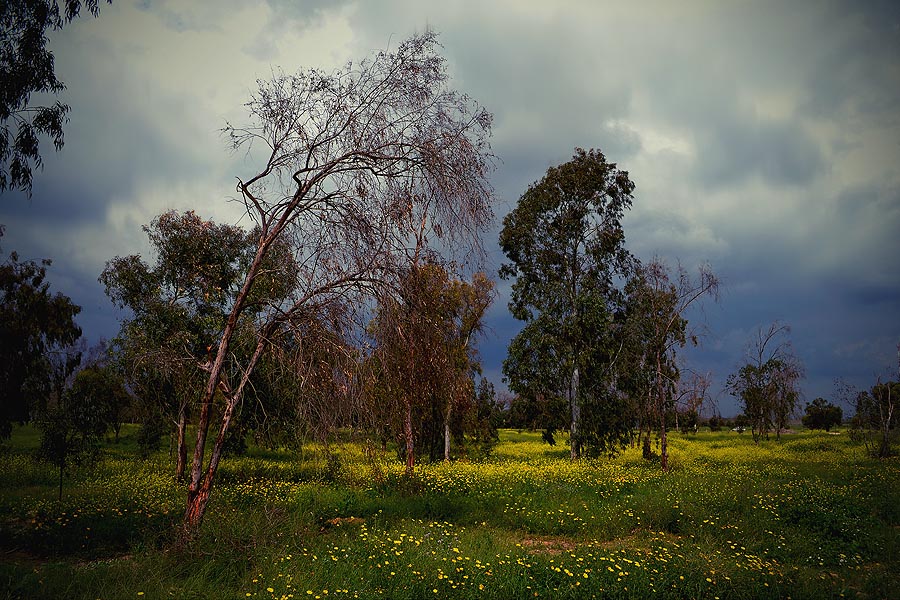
<point x="34" y="323"/>
<point x="27" y="67"/>
<point x="566" y="250"/>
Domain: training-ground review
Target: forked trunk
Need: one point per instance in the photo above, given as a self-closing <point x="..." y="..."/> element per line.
<point x="198" y="497"/>
<point x="200" y="483"/>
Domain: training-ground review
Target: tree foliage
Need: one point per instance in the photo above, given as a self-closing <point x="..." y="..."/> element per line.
<point x="350" y="159"/>
<point x="178" y="306"/>
<point x="34" y="323"/>
<point x="565" y="244"/>
<point x="821" y="414"/>
<point x="27" y="67"/>
<point x="72" y="428"/>
<point x="876" y="416"/>
<point x="655" y="327"/>
<point x="425" y="357"/>
<point x="767" y="385"/>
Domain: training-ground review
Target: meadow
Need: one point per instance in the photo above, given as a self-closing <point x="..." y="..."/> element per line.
<point x="809" y="516"/>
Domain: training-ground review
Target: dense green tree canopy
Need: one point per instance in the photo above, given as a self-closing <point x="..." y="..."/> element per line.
<point x="33" y="322"/>
<point x="178" y="306"/>
<point x="566" y="248"/>
<point x="821" y="414"/>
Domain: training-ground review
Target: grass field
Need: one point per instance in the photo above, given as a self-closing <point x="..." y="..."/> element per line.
<point x="810" y="516"/>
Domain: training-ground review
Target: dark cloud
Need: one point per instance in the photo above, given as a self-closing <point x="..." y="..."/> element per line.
<point x="732" y="148"/>
<point x="761" y="136"/>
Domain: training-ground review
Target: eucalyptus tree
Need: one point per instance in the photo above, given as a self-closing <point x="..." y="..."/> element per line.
<point x="425" y="356"/>
<point x="876" y="416"/>
<point x="566" y="250"/>
<point x="346" y="159"/>
<point x="768" y="383"/>
<point x="27" y="67"/>
<point x="656" y="307"/>
<point x="178" y="305"/>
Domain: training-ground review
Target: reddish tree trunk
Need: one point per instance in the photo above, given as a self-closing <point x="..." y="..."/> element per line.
<point x="199" y="498"/>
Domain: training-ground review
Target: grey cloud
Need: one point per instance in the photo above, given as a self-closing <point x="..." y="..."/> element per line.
<point x="859" y="74"/>
<point x="733" y="148"/>
<point x="181" y="19"/>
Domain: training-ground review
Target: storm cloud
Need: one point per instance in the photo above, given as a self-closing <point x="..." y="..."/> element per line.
<point x="762" y="138"/>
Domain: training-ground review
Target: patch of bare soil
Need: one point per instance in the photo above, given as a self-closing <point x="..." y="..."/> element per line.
<point x="551" y="546"/>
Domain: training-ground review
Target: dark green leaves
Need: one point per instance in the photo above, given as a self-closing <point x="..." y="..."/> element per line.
<point x="565" y="244"/>
<point x="26" y="67"/>
<point x="33" y="320"/>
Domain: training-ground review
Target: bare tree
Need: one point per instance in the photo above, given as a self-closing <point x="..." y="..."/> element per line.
<point x="349" y="156"/>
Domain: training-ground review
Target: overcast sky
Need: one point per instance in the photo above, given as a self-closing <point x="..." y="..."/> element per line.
<point x="762" y="137"/>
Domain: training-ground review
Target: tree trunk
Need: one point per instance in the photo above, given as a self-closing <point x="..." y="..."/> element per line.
<point x="447" y="439"/>
<point x="661" y="400"/>
<point x="408" y="434"/>
<point x="181" y="450"/>
<point x="60" y="481"/>
<point x="199" y="485"/>
<point x="198" y="498"/>
<point x="574" y="442"/>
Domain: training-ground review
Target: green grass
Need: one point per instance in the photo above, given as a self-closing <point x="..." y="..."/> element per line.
<point x="810" y="516"/>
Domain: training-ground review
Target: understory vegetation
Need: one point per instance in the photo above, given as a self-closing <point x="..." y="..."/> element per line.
<point x="810" y="516"/>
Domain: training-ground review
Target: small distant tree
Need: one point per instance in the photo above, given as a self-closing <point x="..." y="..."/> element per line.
<point x="876" y="416"/>
<point x="767" y="385"/>
<point x="821" y="414"/>
<point x="72" y="428"/>
<point x="715" y="423"/>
